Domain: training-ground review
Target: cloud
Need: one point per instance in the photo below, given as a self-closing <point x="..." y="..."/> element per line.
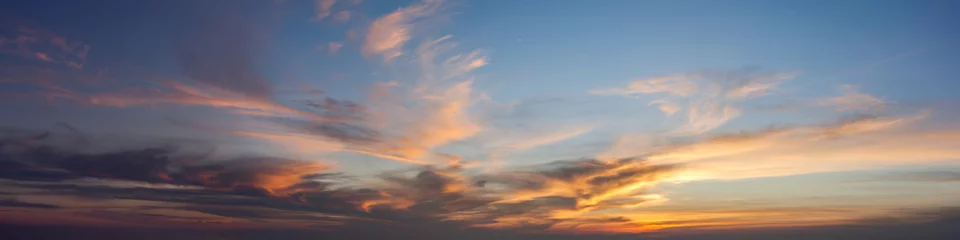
<point x="342" y="16"/>
<point x="323" y="9"/>
<point x="405" y="123"/>
<point x="563" y="196"/>
<point x="935" y="176"/>
<point x="577" y="196"/>
<point x="301" y="192"/>
<point x="261" y="175"/>
<point x="666" y="106"/>
<point x="21" y="204"/>
<point x="703" y="116"/>
<point x="303" y="144"/>
<point x="436" y="111"/>
<point x="183" y="94"/>
<point x="855" y="144"/>
<point x="334" y="47"/>
<point x="853" y="100"/>
<point x="425" y="114"/>
<point x="387" y="35"/>
<point x="501" y="142"/>
<point x="681" y="85"/>
<point x="23" y="40"/>
<point x="939" y="227"/>
<point x="547" y="138"/>
<point x="707" y="99"/>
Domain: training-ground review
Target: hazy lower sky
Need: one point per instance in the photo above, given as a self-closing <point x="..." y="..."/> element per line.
<point x="439" y="119"/>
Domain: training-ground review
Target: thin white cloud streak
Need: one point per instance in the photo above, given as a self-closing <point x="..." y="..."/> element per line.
<point x="529" y="141"/>
<point x="681" y="85"/>
<point x="547" y="138"/>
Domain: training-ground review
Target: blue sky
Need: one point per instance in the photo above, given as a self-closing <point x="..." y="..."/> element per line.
<point x="738" y="114"/>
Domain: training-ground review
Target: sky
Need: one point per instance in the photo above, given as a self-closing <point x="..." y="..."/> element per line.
<point x="440" y="119"/>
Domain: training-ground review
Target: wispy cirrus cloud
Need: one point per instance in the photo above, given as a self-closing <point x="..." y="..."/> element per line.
<point x="707" y="99"/>
<point x="853" y="100"/>
<point x="24" y="40"/>
<point x="406" y="122"/>
<point x="342" y="16"/>
<point x="500" y="142"/>
<point x="846" y="145"/>
<point x="323" y="9"/>
<point x="387" y="35"/>
<point x="334" y="47"/>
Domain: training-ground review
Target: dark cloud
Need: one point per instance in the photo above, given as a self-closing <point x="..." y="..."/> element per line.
<point x="21" y="204"/>
<point x="38" y="161"/>
<point x="429" y="202"/>
<point x="341" y="132"/>
<point x="942" y="228"/>
<point x="931" y="224"/>
<point x="270" y="189"/>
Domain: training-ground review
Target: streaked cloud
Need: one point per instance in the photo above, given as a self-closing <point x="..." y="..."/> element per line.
<point x="334" y="47"/>
<point x="411" y="121"/>
<point x="342" y="16"/>
<point x="183" y="94"/>
<point x="323" y="9"/>
<point x="295" y="143"/>
<point x="23" y="40"/>
<point x="387" y="35"/>
<point x="666" y="106"/>
<point x="707" y="99"/>
<point x="277" y="177"/>
<point x="505" y="141"/>
<point x="857" y="144"/>
<point x="853" y="100"/>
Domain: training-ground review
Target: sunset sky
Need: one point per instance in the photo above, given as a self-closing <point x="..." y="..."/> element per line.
<point x="470" y="119"/>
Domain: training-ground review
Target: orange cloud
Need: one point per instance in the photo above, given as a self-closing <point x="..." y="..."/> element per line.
<point x="568" y="195"/>
<point x="434" y="113"/>
<point x="857" y="144"/>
